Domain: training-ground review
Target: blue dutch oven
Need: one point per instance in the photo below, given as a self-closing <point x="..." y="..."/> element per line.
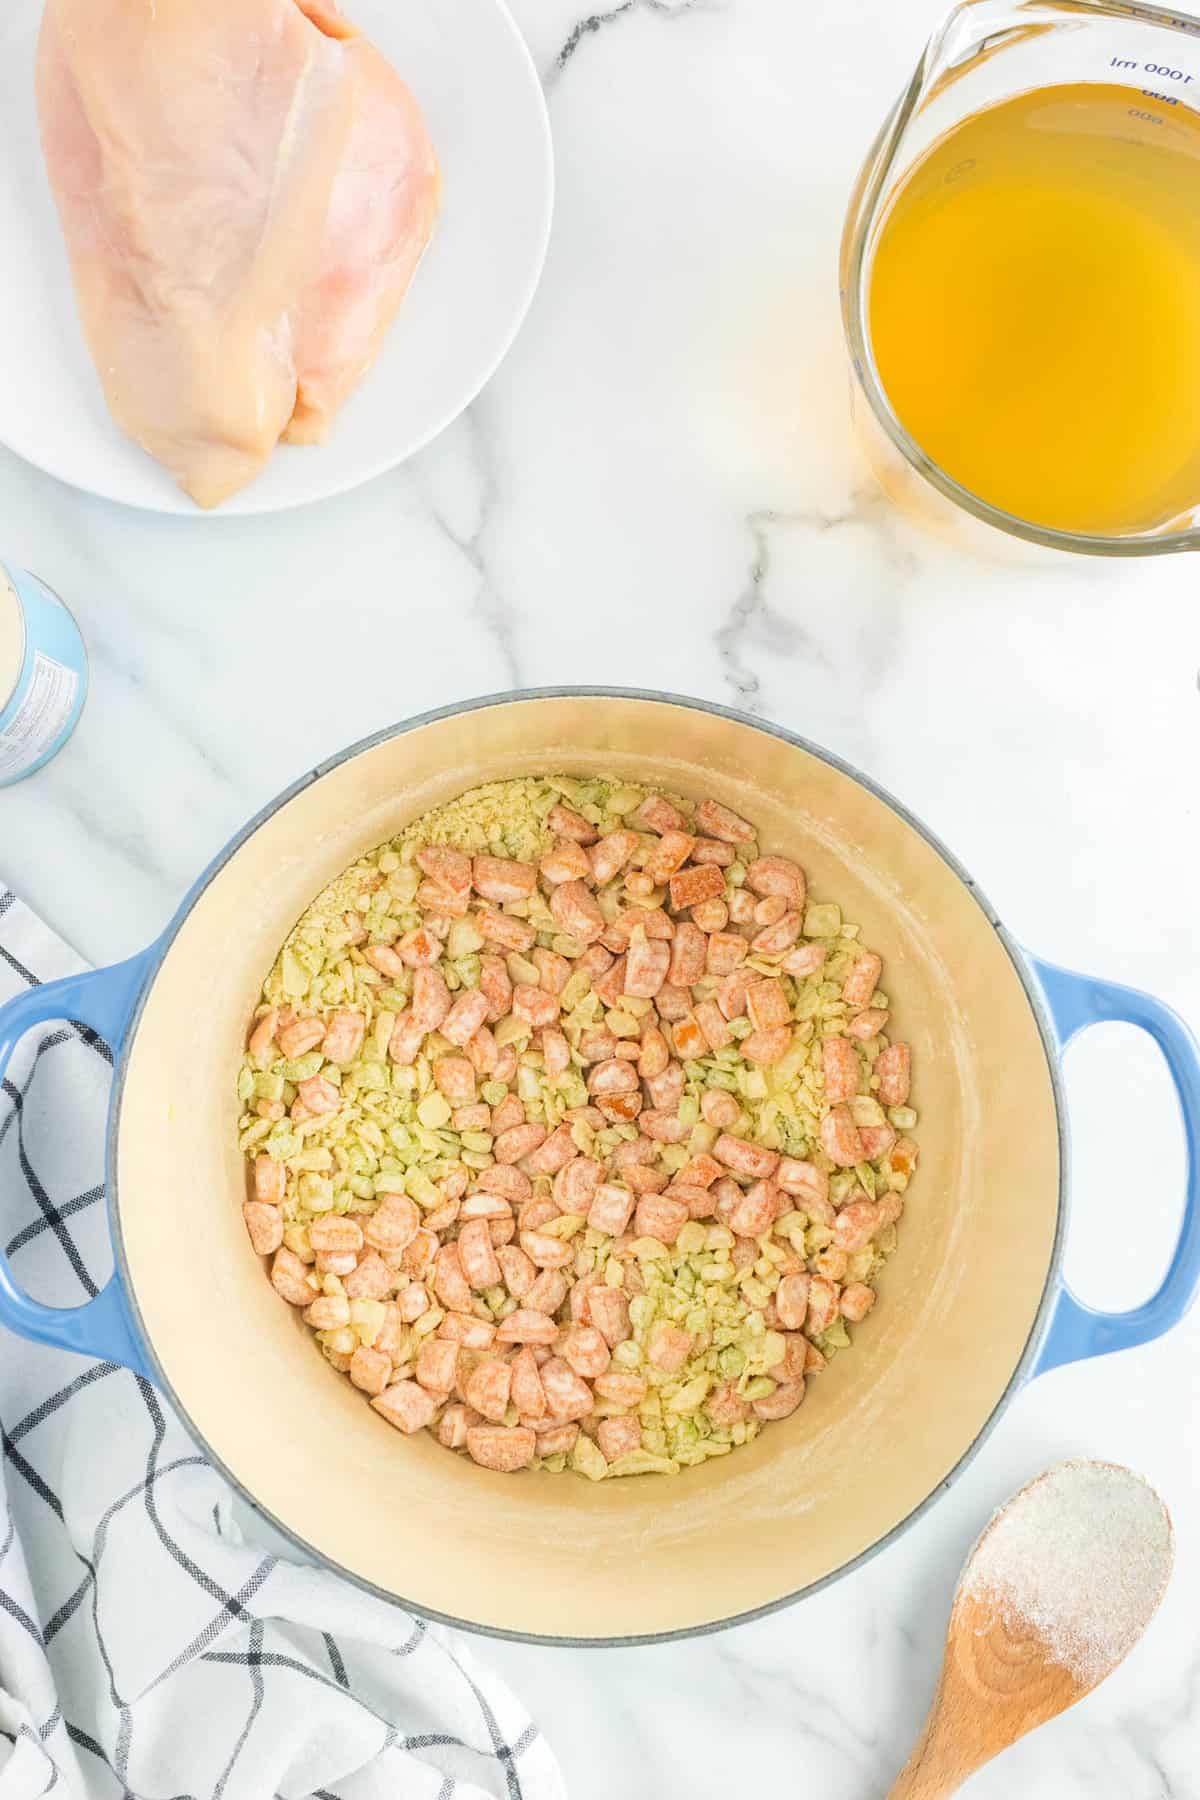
<point x="972" y="1305"/>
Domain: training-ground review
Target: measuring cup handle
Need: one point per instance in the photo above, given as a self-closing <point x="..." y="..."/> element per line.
<point x="102" y="999"/>
<point x="1076" y="1331"/>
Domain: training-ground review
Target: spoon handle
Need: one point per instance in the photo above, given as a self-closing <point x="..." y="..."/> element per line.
<point x="947" y="1751"/>
<point x="925" y="1777"/>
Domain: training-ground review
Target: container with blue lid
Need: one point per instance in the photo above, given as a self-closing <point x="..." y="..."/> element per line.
<point x="43" y="674"/>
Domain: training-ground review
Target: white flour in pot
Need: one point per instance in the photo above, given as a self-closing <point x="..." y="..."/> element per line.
<point x="1083" y="1554"/>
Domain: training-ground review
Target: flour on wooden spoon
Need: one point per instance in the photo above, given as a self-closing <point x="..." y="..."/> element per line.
<point x="1083" y="1554"/>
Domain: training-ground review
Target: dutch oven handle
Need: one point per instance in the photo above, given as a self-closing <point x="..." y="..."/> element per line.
<point x="103" y="999"/>
<point x="1076" y="1331"/>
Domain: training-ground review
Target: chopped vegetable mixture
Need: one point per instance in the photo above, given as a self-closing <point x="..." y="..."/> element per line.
<point x="575" y="1130"/>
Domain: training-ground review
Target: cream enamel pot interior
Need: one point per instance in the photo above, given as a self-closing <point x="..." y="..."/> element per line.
<point x="971" y="1305"/>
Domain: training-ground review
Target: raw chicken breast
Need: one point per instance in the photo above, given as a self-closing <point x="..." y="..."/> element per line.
<point x="246" y="188"/>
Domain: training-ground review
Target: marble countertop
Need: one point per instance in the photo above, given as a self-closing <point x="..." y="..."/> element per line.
<point x="660" y="488"/>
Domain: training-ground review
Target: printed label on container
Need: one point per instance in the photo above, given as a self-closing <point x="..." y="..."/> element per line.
<point x="40" y="719"/>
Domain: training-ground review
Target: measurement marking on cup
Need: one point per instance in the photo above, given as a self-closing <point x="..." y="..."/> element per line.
<point x="1151" y="68"/>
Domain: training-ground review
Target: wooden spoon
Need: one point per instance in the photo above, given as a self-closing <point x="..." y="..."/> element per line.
<point x="1055" y="1594"/>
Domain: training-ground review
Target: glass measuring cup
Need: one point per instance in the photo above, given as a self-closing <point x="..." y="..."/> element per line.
<point x="987" y="52"/>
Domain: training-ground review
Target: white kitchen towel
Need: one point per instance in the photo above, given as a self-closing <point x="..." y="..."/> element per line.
<point x="148" y="1649"/>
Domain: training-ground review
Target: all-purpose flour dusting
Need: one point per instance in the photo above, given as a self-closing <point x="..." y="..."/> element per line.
<point x="1084" y="1555"/>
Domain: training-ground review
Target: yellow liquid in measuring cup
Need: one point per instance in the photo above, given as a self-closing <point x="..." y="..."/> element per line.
<point x="1034" y="307"/>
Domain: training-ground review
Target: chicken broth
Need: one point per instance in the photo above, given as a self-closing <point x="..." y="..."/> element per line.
<point x="1034" y="307"/>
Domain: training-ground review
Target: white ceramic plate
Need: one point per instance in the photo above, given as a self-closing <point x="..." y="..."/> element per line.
<point x="476" y="85"/>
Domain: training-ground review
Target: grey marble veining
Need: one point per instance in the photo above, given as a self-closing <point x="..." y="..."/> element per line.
<point x="661" y="488"/>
